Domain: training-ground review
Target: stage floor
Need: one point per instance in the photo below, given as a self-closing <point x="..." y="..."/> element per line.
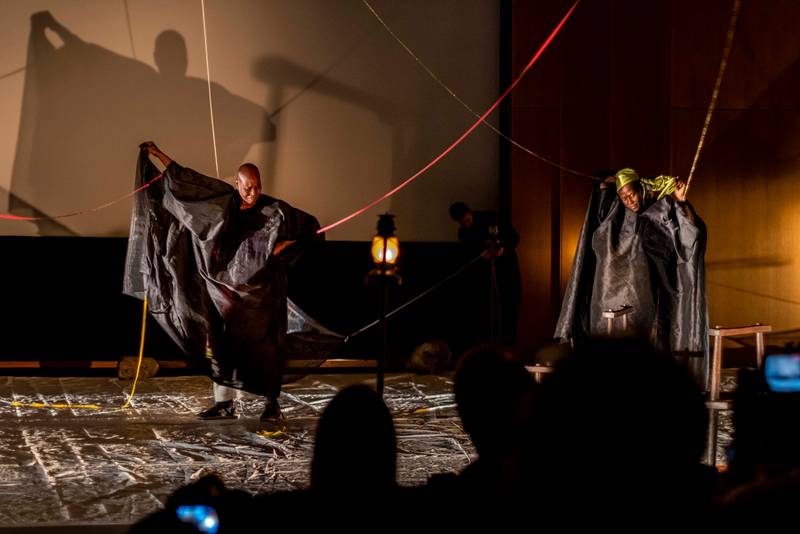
<point x="72" y="466"/>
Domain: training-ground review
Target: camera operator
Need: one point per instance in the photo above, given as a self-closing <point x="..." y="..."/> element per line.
<point x="483" y="233"/>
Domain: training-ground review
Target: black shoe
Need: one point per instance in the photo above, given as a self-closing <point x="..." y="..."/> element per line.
<point x="221" y="410"/>
<point x="272" y="410"/>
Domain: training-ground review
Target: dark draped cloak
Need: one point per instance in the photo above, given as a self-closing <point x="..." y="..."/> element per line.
<point x="654" y="261"/>
<point x="211" y="280"/>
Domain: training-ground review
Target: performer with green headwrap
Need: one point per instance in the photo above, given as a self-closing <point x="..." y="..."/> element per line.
<point x="637" y="192"/>
<point x="642" y="247"/>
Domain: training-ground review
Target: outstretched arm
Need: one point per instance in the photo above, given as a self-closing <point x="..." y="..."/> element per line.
<point x="153" y="150"/>
<point x="610" y="181"/>
<point x="679" y="196"/>
<point x="44" y="20"/>
<point x="608" y="193"/>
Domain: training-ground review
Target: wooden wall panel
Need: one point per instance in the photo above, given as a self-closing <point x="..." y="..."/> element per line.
<point x="628" y="84"/>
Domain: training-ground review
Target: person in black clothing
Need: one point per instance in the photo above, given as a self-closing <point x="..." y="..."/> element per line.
<point x="483" y="233"/>
<point x="642" y="245"/>
<point x="219" y="277"/>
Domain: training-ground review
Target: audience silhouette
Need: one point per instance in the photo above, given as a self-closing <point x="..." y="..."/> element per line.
<point x="612" y="438"/>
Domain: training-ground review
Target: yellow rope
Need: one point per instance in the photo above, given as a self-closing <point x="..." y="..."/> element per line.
<point x="208" y="77"/>
<point x="69" y="406"/>
<point x="141" y="353"/>
<point x="715" y="93"/>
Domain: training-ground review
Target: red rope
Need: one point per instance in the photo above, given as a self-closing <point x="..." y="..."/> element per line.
<point x="356" y="213"/>
<point x="465" y="134"/>
<point x="81" y="212"/>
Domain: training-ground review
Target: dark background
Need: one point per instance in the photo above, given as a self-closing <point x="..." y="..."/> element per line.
<point x="63" y="300"/>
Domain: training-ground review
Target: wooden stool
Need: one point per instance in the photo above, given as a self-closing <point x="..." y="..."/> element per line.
<point x="612" y="315"/>
<point x="714" y="404"/>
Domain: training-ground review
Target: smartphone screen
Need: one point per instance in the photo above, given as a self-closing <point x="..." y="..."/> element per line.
<point x="782" y="373"/>
<point x="204" y="518"/>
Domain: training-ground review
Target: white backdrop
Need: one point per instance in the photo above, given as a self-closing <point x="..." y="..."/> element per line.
<point x="314" y="92"/>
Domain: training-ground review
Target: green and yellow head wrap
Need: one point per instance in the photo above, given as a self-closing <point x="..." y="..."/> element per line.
<point x="660" y="186"/>
<point x="626" y="176"/>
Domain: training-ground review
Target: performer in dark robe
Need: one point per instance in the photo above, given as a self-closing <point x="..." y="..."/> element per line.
<point x="642" y="247"/>
<point x="212" y="261"/>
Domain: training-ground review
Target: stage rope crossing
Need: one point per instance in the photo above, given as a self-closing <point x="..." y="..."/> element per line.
<point x="481" y="119"/>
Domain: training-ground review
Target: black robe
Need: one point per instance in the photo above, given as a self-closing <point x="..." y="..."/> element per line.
<point x="654" y="261"/>
<point x="211" y="280"/>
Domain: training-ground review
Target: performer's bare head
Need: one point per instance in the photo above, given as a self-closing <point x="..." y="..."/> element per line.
<point x="629" y="189"/>
<point x="248" y="184"/>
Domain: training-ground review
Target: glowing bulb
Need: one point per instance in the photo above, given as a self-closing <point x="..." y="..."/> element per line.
<point x="391" y="245"/>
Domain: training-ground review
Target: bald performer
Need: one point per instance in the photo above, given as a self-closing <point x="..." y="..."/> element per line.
<point x="243" y="242"/>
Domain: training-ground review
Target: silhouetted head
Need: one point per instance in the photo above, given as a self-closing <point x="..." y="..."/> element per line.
<point x="355" y="447"/>
<point x="170" y="54"/>
<point x="491" y="388"/>
<point x="617" y="404"/>
<point x="248" y="185"/>
<point x="766" y="428"/>
<point x="618" y="434"/>
<point x="461" y="213"/>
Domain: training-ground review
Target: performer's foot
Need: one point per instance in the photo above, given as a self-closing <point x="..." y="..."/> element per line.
<point x="220" y="410"/>
<point x="272" y="410"/>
